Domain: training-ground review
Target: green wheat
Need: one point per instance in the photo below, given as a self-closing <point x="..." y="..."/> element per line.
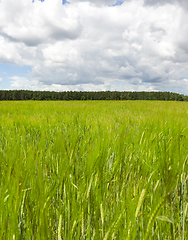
<point x="93" y="170"/>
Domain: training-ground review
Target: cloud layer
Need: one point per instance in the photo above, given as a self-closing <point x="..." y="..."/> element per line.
<point x="93" y="45"/>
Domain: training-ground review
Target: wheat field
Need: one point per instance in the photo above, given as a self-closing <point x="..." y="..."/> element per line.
<point x="93" y="170"/>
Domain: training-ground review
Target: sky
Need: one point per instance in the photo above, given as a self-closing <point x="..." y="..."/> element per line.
<point x="94" y="45"/>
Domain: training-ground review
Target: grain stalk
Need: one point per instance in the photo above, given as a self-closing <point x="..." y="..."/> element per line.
<point x="153" y="216"/>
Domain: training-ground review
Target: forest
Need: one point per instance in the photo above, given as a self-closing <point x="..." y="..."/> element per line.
<point x="101" y="95"/>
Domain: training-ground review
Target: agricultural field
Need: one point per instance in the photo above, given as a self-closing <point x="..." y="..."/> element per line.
<point x="93" y="170"/>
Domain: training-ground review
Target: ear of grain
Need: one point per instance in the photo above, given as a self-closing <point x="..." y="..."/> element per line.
<point x="59" y="228"/>
<point x="141" y="199"/>
<point x="153" y="216"/>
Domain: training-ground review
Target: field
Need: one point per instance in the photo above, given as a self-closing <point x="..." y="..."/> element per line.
<point x="93" y="170"/>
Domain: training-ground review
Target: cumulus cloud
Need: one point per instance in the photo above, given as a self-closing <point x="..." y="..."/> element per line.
<point x="37" y="23"/>
<point x="159" y="2"/>
<point x="97" y="2"/>
<point x="183" y="3"/>
<point x="1" y="79"/>
<point x="89" y="45"/>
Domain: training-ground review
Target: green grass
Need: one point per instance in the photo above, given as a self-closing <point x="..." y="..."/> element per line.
<point x="93" y="170"/>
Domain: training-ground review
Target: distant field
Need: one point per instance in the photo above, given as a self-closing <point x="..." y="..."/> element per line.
<point x="93" y="170"/>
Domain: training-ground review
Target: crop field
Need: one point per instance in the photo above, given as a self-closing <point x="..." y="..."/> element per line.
<point x="93" y="170"/>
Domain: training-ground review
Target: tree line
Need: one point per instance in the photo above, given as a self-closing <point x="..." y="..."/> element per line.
<point x="101" y="95"/>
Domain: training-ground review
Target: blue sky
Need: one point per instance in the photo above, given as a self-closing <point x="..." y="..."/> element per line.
<point x="7" y="71"/>
<point x="93" y="45"/>
<point x="118" y="3"/>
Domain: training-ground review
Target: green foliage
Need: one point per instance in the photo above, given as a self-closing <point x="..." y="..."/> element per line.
<point x="107" y="95"/>
<point x="93" y="170"/>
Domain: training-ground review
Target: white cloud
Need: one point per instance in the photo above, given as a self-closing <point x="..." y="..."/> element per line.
<point x="1" y="79"/>
<point x="37" y="23"/>
<point x="87" y="45"/>
<point x="183" y="3"/>
<point x="96" y="2"/>
<point x="107" y="84"/>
